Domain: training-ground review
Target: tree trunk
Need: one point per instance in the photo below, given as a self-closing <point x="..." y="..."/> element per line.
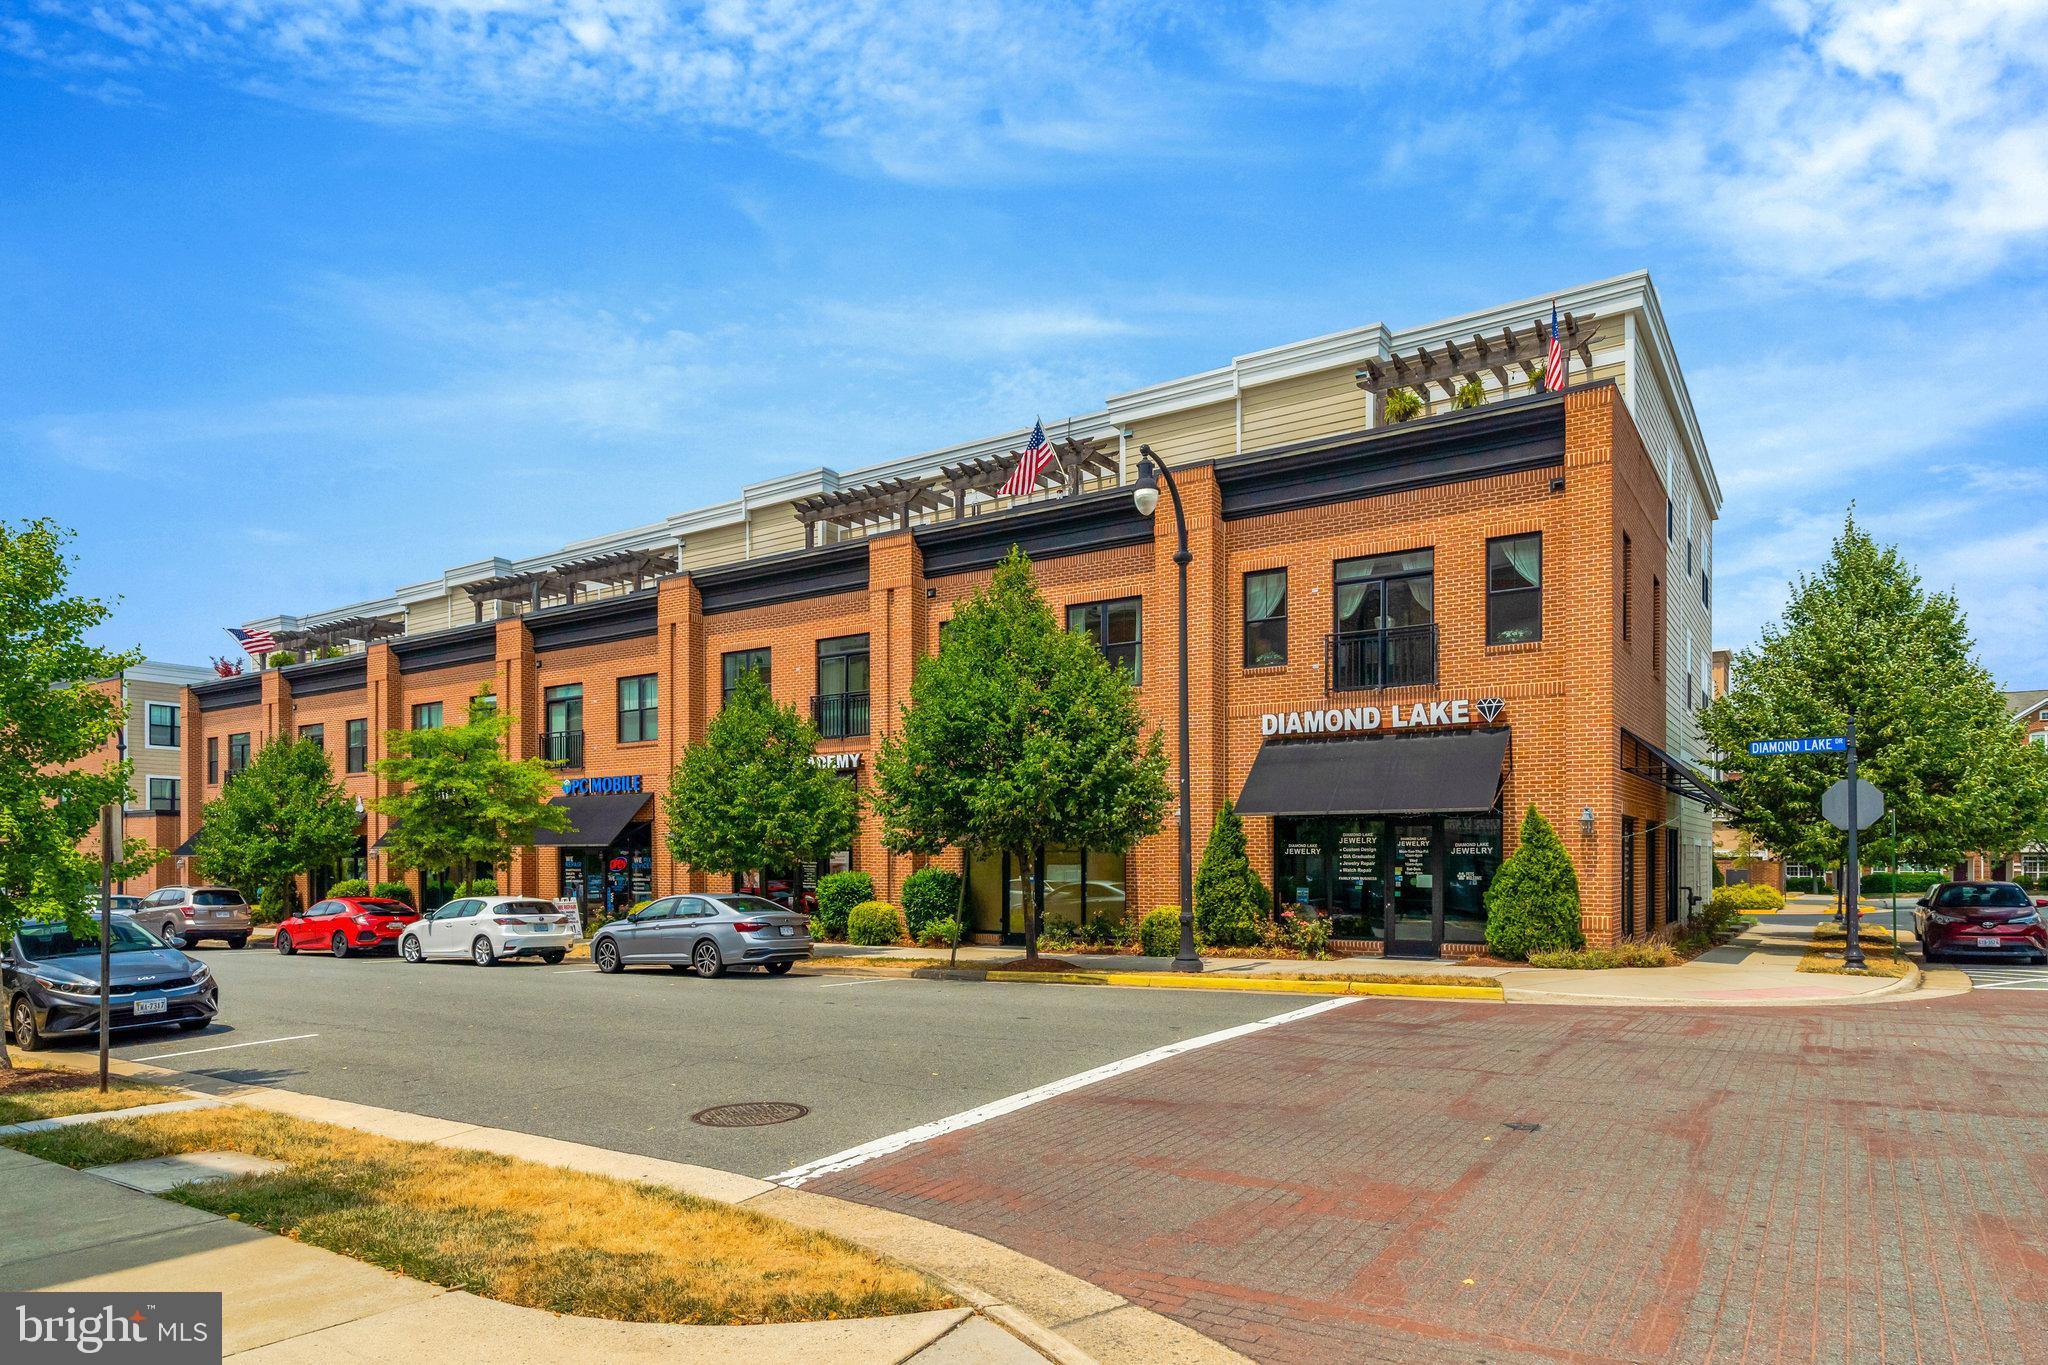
<point x="6" y="1058"/>
<point x="1036" y="912"/>
<point x="960" y="907"/>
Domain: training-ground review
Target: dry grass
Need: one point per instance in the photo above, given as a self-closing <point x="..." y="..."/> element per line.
<point x="1603" y="959"/>
<point x="47" y="1092"/>
<point x="1869" y="935"/>
<point x="1377" y="978"/>
<point x="1881" y="952"/>
<point x="517" y="1231"/>
<point x="897" y="963"/>
<point x="1875" y="964"/>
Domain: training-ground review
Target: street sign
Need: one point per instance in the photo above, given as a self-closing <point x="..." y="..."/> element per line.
<point x="1811" y="744"/>
<point x="1834" y="804"/>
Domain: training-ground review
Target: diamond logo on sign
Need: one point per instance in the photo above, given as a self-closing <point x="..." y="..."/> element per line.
<point x="1489" y="708"/>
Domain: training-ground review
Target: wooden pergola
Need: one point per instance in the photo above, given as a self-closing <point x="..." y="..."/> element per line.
<point x="1455" y="364"/>
<point x="885" y="503"/>
<point x="1078" y="459"/>
<point x="632" y="569"/>
<point x="889" y="504"/>
<point x="333" y="634"/>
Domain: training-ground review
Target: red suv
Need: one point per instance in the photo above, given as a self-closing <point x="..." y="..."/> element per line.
<point x="345" y="925"/>
<point x="1991" y="919"/>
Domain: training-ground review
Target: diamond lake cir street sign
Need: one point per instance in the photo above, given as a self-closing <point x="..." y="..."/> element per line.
<point x="1811" y="744"/>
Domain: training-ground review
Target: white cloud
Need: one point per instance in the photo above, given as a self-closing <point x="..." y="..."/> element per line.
<point x="1895" y="145"/>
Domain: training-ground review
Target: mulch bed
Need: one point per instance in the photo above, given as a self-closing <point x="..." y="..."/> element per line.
<point x="15" y="1081"/>
<point x="1036" y="964"/>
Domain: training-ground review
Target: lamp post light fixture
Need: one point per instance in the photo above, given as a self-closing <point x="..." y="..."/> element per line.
<point x="1586" y="821"/>
<point x="1145" y="497"/>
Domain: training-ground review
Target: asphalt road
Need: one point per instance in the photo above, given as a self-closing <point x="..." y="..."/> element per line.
<point x="622" y="1062"/>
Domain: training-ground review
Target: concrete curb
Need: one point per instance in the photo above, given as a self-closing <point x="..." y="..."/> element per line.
<point x="1335" y="985"/>
<point x="1521" y="996"/>
<point x="102" y="1115"/>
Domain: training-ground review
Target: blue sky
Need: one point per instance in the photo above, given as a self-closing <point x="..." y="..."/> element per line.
<point x="281" y="278"/>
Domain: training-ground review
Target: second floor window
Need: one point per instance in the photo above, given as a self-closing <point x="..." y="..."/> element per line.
<point x="315" y="735"/>
<point x="1385" y="611"/>
<point x="426" y="716"/>
<point x="356" y="739"/>
<point x="163" y="725"/>
<point x="163" y="794"/>
<point x="1116" y="629"/>
<point x="639" y="708"/>
<point x="213" y="758"/>
<point x="842" y="705"/>
<point x="738" y="664"/>
<point x="562" y="741"/>
<point x="1514" y="589"/>
<point x="1265" y="618"/>
<point x="238" y="752"/>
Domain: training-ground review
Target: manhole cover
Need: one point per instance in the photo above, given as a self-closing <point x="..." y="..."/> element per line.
<point x="748" y="1114"/>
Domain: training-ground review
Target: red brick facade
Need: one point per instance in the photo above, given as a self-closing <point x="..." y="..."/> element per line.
<point x="1568" y="695"/>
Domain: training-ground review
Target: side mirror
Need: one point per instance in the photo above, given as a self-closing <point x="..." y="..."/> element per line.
<point x="2041" y="902"/>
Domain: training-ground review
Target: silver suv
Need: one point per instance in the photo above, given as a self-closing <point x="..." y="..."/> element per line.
<point x="182" y="915"/>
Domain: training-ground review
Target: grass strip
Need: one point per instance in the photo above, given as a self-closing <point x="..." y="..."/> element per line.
<point x="29" y="1092"/>
<point x="517" y="1231"/>
<point x="1604" y="959"/>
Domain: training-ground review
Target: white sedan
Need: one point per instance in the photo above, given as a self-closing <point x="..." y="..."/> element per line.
<point x="487" y="928"/>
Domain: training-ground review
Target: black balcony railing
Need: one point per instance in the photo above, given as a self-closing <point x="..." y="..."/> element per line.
<point x="562" y="746"/>
<point x="1366" y="660"/>
<point x="840" y="714"/>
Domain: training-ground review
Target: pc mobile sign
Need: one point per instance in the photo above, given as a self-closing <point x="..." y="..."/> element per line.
<point x="1852" y="953"/>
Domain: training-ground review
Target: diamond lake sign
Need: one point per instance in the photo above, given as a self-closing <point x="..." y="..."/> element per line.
<point x="1346" y="720"/>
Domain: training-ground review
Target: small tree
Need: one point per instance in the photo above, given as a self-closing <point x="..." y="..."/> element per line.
<point x="1230" y="900"/>
<point x="458" y="800"/>
<point x="282" y="815"/>
<point x="1533" y="904"/>
<point x="51" y="724"/>
<point x="1018" y="735"/>
<point x="750" y="797"/>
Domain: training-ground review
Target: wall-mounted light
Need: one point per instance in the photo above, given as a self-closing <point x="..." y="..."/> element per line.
<point x="930" y="593"/>
<point x="1586" y="821"/>
<point x="1557" y="484"/>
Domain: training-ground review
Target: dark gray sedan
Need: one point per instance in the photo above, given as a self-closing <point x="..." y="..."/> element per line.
<point x="705" y="934"/>
<point x="50" y="983"/>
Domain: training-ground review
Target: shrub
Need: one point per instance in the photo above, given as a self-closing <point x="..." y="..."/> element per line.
<point x="1905" y="883"/>
<point x="351" y="886"/>
<point x="1056" y="936"/>
<point x="392" y="891"/>
<point x="1753" y="896"/>
<point x="1813" y="885"/>
<point x="872" y="923"/>
<point x="930" y="894"/>
<point x="939" y="933"/>
<point x="1533" y="904"/>
<point x="1104" y="931"/>
<point x="280" y="657"/>
<point x="269" y="907"/>
<point x="440" y="893"/>
<point x="1720" y="878"/>
<point x="1159" y="932"/>
<point x="1302" y="931"/>
<point x="838" y="894"/>
<point x="1230" y="900"/>
<point x="481" y="886"/>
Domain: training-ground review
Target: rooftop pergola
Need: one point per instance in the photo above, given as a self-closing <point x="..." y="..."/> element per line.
<point x="889" y="504"/>
<point x="632" y="569"/>
<point x="1454" y="363"/>
<point x="349" y="630"/>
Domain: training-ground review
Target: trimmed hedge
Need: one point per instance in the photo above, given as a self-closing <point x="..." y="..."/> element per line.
<point x="874" y="923"/>
<point x="1533" y="904"/>
<point x="482" y="886"/>
<point x="930" y="894"/>
<point x="352" y="886"/>
<point x="1159" y="932"/>
<point x="1750" y="896"/>
<point x="1806" y="885"/>
<point x="838" y="894"/>
<point x="1907" y="883"/>
<point x="392" y="891"/>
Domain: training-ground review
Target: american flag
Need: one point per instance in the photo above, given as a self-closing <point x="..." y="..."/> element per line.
<point x="257" y="644"/>
<point x="1554" y="361"/>
<point x="1037" y="455"/>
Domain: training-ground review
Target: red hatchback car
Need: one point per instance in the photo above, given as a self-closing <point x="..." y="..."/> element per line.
<point x="1989" y="919"/>
<point x="346" y="925"/>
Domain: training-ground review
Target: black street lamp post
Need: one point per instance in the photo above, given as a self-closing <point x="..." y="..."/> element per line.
<point x="1145" y="497"/>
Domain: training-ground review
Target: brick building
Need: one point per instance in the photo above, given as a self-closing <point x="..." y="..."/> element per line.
<point x="1403" y="634"/>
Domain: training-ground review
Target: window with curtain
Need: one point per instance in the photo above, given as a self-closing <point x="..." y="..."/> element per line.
<point x="639" y="708"/>
<point x="163" y="794"/>
<point x="1265" y="618"/>
<point x="163" y="725"/>
<point x="1114" y="627"/>
<point x="1514" y="589"/>
<point x="426" y="715"/>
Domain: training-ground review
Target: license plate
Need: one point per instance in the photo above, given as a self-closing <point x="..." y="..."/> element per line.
<point x="1989" y="942"/>
<point x="151" y="1006"/>
<point x="787" y="931"/>
<point x="222" y="914"/>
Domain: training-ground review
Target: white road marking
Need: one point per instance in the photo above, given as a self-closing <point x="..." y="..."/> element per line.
<point x="571" y="971"/>
<point x="863" y="981"/>
<point x="1986" y="977"/>
<point x="925" y="1132"/>
<point x="194" y="1052"/>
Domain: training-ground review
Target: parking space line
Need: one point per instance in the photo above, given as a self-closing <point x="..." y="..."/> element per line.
<point x="925" y="1132"/>
<point x="863" y="981"/>
<point x="223" y="1047"/>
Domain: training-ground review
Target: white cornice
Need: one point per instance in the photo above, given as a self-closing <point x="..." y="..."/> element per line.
<point x="1346" y="349"/>
<point x="180" y="675"/>
<point x="1194" y="391"/>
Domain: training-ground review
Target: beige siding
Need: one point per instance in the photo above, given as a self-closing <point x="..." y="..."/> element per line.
<point x="1197" y="434"/>
<point x="1304" y="407"/>
<point x="775" y="529"/>
<point x="150" y="762"/>
<point x="450" y="609"/>
<point x="703" y="549"/>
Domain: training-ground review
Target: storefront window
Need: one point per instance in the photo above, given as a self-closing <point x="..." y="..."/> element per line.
<point x="1062" y="886"/>
<point x="1471" y="857"/>
<point x="1356" y="853"/>
<point x="1079" y="887"/>
<point x="1300" y="873"/>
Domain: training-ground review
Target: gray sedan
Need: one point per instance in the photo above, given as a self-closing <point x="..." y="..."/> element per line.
<point x="705" y="934"/>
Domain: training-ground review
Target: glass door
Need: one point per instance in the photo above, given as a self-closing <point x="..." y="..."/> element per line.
<point x="1412" y="877"/>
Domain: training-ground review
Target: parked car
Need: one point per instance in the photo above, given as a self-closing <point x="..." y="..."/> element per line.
<point x="345" y="925"/>
<point x="801" y="899"/>
<point x="183" y="915"/>
<point x="122" y="905"/>
<point x="487" y="928"/>
<point x="705" y="934"/>
<point x="1994" y="919"/>
<point x="50" y="982"/>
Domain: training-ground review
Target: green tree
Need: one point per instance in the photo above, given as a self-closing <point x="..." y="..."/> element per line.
<point x="1018" y="735"/>
<point x="1532" y="904"/>
<point x="1862" y="637"/>
<point x="1230" y="900"/>
<point x="51" y="722"/>
<point x="457" y="798"/>
<point x="751" y="797"/>
<point x="282" y="815"/>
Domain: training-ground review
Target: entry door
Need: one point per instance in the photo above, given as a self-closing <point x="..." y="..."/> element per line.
<point x="1412" y="889"/>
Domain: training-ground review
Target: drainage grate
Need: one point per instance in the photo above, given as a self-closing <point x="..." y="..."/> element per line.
<point x="749" y="1114"/>
<point x="1524" y="1127"/>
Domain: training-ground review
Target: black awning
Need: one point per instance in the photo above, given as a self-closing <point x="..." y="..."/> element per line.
<point x="384" y="839"/>
<point x="1646" y="760"/>
<point x="1383" y="775"/>
<point x="184" y="850"/>
<point x="594" y="821"/>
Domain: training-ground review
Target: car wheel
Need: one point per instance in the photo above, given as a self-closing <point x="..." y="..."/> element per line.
<point x="285" y="946"/>
<point x="779" y="968"/>
<point x="170" y="932"/>
<point x="338" y="945"/>
<point x="706" y="961"/>
<point x="607" y="955"/>
<point x="27" y="1036"/>
<point x="238" y="941"/>
<point x="481" y="952"/>
<point x="409" y="949"/>
<point x="553" y="956"/>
